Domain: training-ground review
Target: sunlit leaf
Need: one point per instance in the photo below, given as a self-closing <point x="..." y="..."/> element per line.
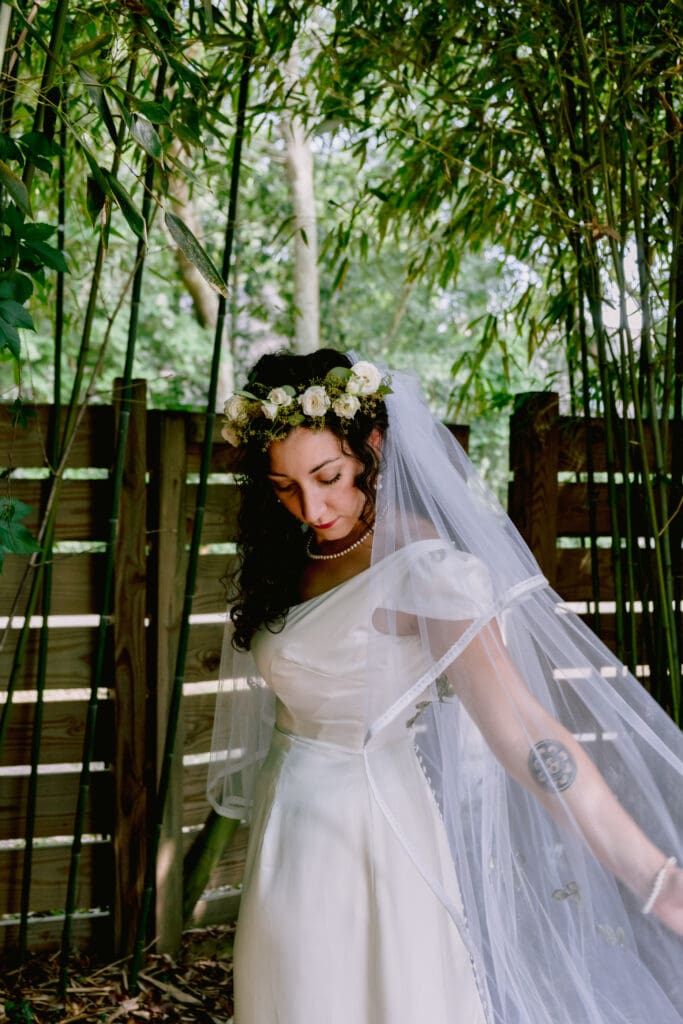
<point x="126" y="205"/>
<point x="194" y="252"/>
<point x="15" y="187"/>
<point x="95" y="91"/>
<point x="146" y="136"/>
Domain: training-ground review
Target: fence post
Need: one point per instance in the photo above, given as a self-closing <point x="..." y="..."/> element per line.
<point x="533" y="490"/>
<point x="168" y="474"/>
<point x="131" y="731"/>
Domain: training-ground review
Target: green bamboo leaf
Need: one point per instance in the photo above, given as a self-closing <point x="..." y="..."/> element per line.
<point x="14" y="285"/>
<point x="157" y="113"/>
<point x="195" y="253"/>
<point x="9" y="338"/>
<point x="14" y="314"/>
<point x="145" y="135"/>
<point x="126" y="205"/>
<point x="16" y="188"/>
<point x="97" y="43"/>
<point x="43" y="254"/>
<point x="95" y="91"/>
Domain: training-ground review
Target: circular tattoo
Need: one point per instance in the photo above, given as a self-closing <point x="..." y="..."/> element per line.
<point x="551" y="765"/>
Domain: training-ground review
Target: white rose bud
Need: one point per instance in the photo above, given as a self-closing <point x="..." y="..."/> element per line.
<point x="346" y="406"/>
<point x="270" y="409"/>
<point x="237" y="409"/>
<point x="315" y="401"/>
<point x="364" y="380"/>
<point x="229" y="434"/>
<point x="278" y="396"/>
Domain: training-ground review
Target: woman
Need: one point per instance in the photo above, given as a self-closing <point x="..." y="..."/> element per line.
<point x="468" y="811"/>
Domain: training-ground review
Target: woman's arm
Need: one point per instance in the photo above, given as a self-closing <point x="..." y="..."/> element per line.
<point x="546" y="759"/>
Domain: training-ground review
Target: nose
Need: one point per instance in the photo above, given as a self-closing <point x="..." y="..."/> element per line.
<point x="312" y="507"/>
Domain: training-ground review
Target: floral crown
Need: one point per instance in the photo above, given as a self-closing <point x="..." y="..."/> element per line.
<point x="344" y="391"/>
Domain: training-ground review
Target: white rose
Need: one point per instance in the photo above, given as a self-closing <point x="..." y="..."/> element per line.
<point x="270" y="409"/>
<point x="364" y="380"/>
<point x="315" y="401"/>
<point x="229" y="434"/>
<point x="237" y="409"/>
<point x="278" y="396"/>
<point x="346" y="406"/>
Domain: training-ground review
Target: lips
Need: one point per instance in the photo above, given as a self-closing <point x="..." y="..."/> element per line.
<point x="324" y="526"/>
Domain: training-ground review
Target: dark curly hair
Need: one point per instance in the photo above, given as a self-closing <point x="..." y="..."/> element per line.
<point x="272" y="543"/>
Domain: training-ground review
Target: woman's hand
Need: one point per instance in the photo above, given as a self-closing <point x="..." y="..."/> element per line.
<point x="668" y="906"/>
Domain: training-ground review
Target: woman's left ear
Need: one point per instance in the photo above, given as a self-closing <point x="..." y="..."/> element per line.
<point x="375" y="439"/>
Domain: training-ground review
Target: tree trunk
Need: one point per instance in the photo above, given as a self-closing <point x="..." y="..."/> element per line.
<point x="299" y="167"/>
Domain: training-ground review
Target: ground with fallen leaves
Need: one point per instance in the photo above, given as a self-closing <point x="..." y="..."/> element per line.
<point x="194" y="987"/>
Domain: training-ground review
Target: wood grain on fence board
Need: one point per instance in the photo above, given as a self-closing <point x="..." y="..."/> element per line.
<point x="45" y="933"/>
<point x="69" y="657"/>
<point x="56" y="804"/>
<point x="49" y="877"/>
<point x="76" y="583"/>
<point x="93" y="444"/>
<point x="168" y="562"/>
<point x="62" y="733"/>
<point x="134" y="762"/>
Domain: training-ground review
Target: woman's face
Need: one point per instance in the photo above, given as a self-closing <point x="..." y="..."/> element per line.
<point x="314" y="478"/>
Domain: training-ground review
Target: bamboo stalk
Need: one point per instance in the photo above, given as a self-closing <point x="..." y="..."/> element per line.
<point x="53" y="455"/>
<point x="108" y="573"/>
<point x="176" y="692"/>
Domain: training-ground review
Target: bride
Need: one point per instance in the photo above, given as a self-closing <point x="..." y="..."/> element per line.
<point x="463" y="808"/>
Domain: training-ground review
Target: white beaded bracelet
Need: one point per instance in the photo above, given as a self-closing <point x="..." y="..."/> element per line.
<point x="657" y="884"/>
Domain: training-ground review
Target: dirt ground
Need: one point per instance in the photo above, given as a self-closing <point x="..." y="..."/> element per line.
<point x="195" y="987"/>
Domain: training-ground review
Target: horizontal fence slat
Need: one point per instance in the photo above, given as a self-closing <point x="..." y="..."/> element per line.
<point x="220" y="515"/>
<point x="56" y="805"/>
<point x="62" y="733"/>
<point x="572" y="445"/>
<point x="88" y="934"/>
<point x="76" y="583"/>
<point x="49" y="876"/>
<point x="573" y="518"/>
<point x="70" y="651"/>
<point x="211" y="586"/>
<point x="93" y="444"/>
<point x="198" y="710"/>
<point x="84" y="507"/>
<point x="204" y="651"/>
<point x="574" y="574"/>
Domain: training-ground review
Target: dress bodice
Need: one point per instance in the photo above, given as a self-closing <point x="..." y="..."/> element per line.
<point x="319" y="663"/>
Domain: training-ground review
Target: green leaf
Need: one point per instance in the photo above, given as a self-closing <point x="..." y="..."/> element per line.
<point x="146" y="136"/>
<point x="157" y="113"/>
<point x="128" y="208"/>
<point x="45" y="255"/>
<point x="95" y="199"/>
<point x="15" y="538"/>
<point x="97" y="43"/>
<point x="15" y="188"/>
<point x="9" y="339"/>
<point x="194" y="252"/>
<point x="14" y="285"/>
<point x="15" y="315"/>
<point x="95" y="91"/>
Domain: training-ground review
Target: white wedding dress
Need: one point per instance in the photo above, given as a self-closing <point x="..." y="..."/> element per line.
<point x="336" y="924"/>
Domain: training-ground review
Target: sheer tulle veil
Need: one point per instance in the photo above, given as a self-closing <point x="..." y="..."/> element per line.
<point x="454" y="594"/>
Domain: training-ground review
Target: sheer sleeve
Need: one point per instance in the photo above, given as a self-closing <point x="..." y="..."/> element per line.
<point x="243" y="724"/>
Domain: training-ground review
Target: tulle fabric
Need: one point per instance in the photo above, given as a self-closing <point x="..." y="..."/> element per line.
<point x="455" y="592"/>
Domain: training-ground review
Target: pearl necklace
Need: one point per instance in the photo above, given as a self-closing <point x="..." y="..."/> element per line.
<point x="337" y="554"/>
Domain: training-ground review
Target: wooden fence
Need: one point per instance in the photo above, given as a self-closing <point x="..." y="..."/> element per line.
<point x="156" y="515"/>
<point x="547" y="499"/>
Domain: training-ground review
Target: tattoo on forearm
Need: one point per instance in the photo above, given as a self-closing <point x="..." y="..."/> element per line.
<point x="551" y="765"/>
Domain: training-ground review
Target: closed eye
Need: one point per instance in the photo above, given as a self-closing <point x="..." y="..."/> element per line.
<point x="332" y="481"/>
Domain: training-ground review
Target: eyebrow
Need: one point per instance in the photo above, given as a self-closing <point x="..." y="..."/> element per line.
<point x="315" y="468"/>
